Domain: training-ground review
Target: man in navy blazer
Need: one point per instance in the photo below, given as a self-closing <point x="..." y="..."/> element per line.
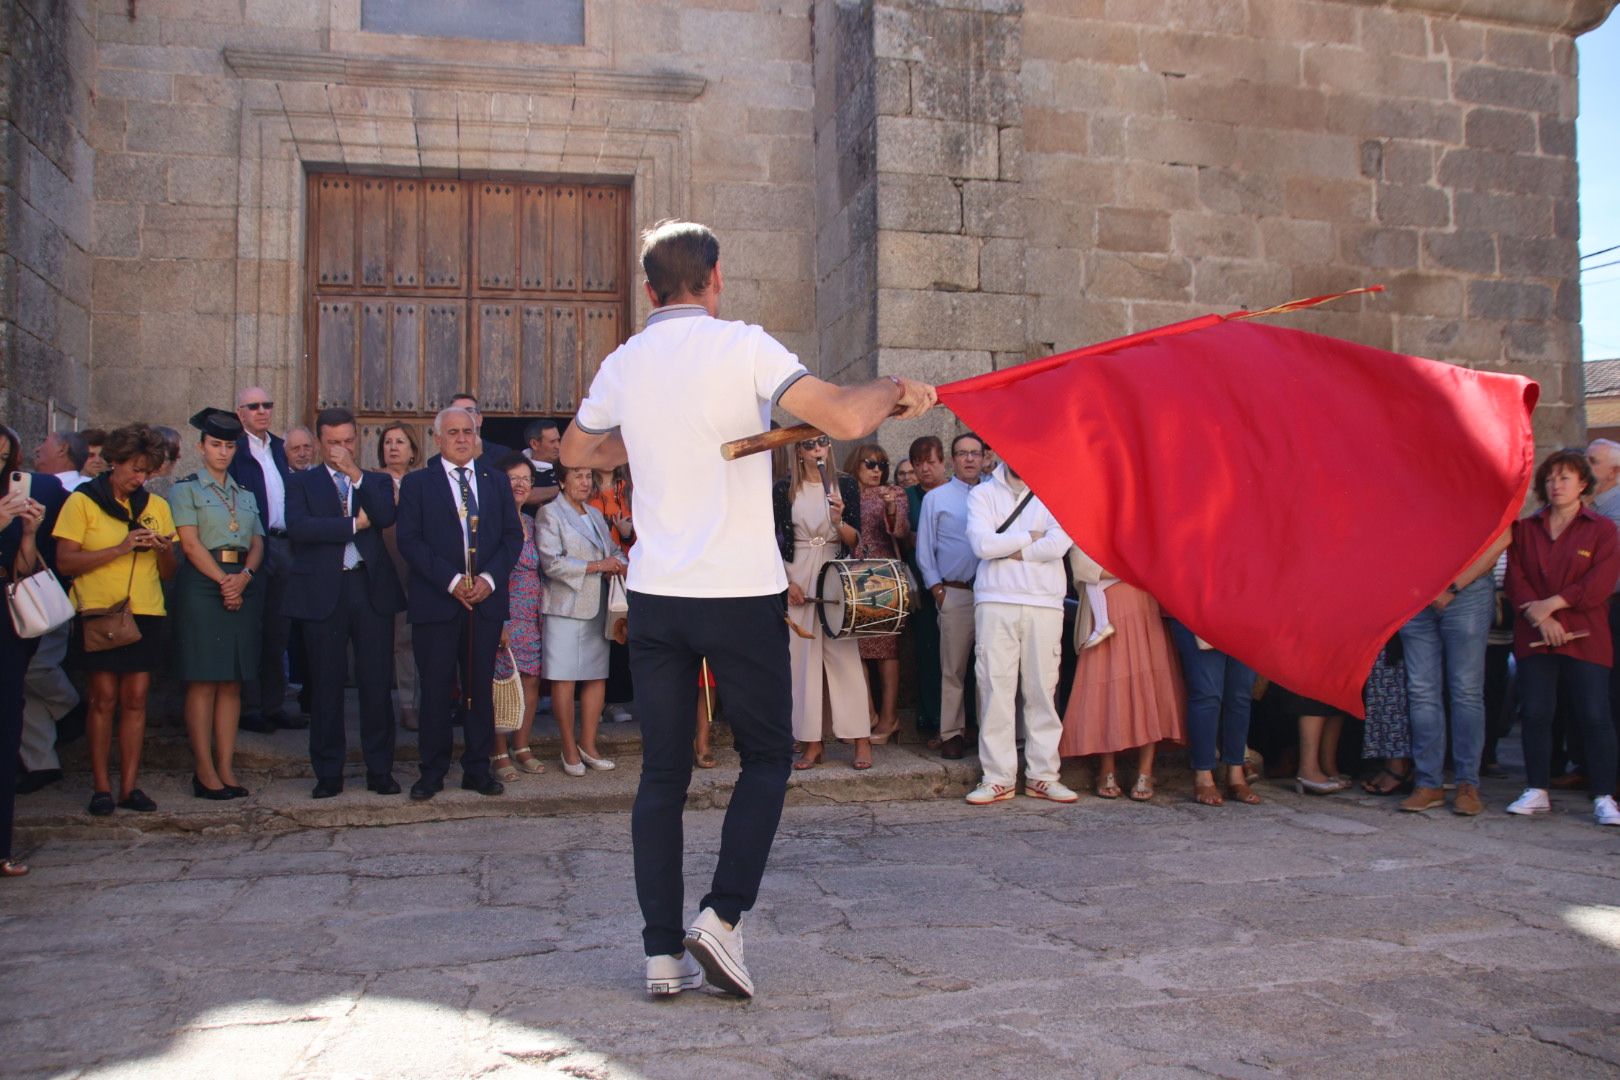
<point x="453" y="506"/>
<point x="343" y="590"/>
<point x="260" y="466"/>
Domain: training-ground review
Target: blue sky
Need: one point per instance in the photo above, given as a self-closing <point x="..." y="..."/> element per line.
<point x="1597" y="143"/>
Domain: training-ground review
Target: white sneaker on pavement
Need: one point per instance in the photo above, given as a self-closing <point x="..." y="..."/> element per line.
<point x="1055" y="790"/>
<point x="1533" y="801"/>
<point x="987" y="793"/>
<point x="719" y="949"/>
<point x="1605" y="811"/>
<point x="667" y="975"/>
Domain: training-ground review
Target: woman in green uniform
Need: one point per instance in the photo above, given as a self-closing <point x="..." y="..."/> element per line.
<point x="218" y="603"/>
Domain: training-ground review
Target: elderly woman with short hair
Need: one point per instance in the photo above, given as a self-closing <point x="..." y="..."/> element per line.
<point x="1561" y="570"/>
<point x="578" y="556"/>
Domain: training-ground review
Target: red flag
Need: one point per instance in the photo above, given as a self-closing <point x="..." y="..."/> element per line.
<point x="1292" y="498"/>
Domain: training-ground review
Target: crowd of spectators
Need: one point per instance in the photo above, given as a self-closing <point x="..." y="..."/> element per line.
<point x="280" y="563"/>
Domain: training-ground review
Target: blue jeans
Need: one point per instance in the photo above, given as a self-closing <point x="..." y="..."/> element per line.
<point x="1586" y="689"/>
<point x="1219" y="695"/>
<point x="1445" y="664"/>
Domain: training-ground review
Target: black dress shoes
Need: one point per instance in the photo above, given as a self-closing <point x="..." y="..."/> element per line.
<point x="325" y="789"/>
<point x="137" y="800"/>
<point x="257" y="723"/>
<point x="31" y="781"/>
<point x="953" y="748"/>
<point x="382" y="784"/>
<point x="421" y="791"/>
<point x="237" y="791"/>
<point x="200" y="791"/>
<point x="484" y="785"/>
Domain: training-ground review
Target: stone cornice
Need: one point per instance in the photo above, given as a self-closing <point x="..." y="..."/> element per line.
<point x="300" y="66"/>
<point x="1560" y="16"/>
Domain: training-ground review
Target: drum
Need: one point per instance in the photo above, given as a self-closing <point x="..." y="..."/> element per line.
<point x="864" y="597"/>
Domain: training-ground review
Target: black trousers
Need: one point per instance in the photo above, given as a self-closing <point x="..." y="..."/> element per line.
<point x="442" y="650"/>
<point x="15" y="652"/>
<point x="268" y="692"/>
<point x="326" y="660"/>
<point x="746" y="642"/>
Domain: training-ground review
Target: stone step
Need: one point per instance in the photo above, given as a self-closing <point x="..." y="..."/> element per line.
<point x="281" y="803"/>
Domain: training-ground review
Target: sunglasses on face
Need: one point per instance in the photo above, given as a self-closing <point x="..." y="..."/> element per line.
<point x="874" y="463"/>
<point x="811" y="444"/>
<point x="255" y="406"/>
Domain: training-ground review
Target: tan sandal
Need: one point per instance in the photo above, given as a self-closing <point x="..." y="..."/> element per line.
<point x="506" y="774"/>
<point x="1108" y="786"/>
<point x="1142" y="790"/>
<point x="1208" y="794"/>
<point x="1238" y="789"/>
<point x="530" y="763"/>
<point x="704" y="761"/>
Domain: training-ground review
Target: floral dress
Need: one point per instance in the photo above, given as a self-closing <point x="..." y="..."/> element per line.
<point x="524" y="624"/>
<point x="876" y="543"/>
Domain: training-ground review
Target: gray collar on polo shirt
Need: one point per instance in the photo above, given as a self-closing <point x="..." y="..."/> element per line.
<point x="676" y="311"/>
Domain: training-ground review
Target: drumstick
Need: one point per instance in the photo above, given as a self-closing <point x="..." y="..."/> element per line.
<point x="768" y="440"/>
<point x="796" y="628"/>
<point x="708" y="692"/>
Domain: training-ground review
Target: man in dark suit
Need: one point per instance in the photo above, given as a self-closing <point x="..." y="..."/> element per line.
<point x="452" y="513"/>
<point x="343" y="590"/>
<point x="260" y="466"/>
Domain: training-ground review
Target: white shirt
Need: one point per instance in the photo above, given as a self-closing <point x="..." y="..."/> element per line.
<point x="943" y="551"/>
<point x="275" y="491"/>
<point x="1038" y="577"/>
<point x="677" y="391"/>
<point x="71" y="479"/>
<point x="455" y="500"/>
<point x="351" y="554"/>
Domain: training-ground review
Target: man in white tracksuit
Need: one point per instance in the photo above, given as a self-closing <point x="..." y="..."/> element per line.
<point x="1018" y="629"/>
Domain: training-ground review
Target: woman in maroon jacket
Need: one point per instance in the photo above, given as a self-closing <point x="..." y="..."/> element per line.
<point x="1561" y="571"/>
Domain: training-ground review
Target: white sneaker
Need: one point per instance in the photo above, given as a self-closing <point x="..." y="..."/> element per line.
<point x="1533" y="801"/>
<point x="618" y="714"/>
<point x="987" y="793"/>
<point x="1604" y="810"/>
<point x="719" y="949"/>
<point x="667" y="975"/>
<point x="1049" y="789"/>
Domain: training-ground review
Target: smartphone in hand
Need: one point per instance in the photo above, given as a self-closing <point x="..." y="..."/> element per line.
<point x="22" y="483"/>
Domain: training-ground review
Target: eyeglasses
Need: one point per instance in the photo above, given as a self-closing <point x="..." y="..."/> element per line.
<point x="874" y="463"/>
<point x="968" y="453"/>
<point x="256" y="406"/>
<point x="811" y="444"/>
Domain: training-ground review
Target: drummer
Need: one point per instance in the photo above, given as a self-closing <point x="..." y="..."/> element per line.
<point x="217" y="602"/>
<point x="816" y="522"/>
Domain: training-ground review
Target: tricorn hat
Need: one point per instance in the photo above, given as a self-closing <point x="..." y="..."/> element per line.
<point x="218" y="423"/>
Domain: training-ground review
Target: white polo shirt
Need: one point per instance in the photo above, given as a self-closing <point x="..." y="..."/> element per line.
<point x="677" y="391"/>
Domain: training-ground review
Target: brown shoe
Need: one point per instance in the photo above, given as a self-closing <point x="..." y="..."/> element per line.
<point x="953" y="748"/>
<point x="1423" y="798"/>
<point x="1467" y="801"/>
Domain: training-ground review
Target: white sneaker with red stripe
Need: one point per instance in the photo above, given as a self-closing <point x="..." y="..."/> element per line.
<point x="987" y="793"/>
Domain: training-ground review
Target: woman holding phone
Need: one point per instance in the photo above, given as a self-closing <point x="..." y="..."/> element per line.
<point x="117" y="541"/>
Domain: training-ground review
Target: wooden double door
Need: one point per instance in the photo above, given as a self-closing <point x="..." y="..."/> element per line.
<point x="419" y="289"/>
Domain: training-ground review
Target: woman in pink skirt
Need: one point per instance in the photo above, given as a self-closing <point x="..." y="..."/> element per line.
<point x="1127" y="693"/>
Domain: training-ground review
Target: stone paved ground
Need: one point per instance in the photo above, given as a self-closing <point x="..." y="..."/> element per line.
<point x="1323" y="937"/>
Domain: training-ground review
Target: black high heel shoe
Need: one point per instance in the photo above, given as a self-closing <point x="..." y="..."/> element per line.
<point x="236" y="791"/>
<point x="217" y="794"/>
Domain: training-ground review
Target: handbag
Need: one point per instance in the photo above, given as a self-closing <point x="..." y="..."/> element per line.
<point x="111" y="627"/>
<point x="38" y="604"/>
<point x="618" y="611"/>
<point x="509" y="702"/>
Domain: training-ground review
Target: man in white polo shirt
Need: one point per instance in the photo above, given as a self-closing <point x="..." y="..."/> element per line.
<point x="706" y="579"/>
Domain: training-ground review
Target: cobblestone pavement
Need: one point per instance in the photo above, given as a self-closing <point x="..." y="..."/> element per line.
<point x="1322" y="937"/>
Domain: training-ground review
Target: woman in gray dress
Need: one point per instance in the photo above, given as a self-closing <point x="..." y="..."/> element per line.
<point x="578" y="555"/>
<point x="217" y="603"/>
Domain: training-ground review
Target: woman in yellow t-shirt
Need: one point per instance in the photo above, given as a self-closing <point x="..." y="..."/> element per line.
<point x="116" y="540"/>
